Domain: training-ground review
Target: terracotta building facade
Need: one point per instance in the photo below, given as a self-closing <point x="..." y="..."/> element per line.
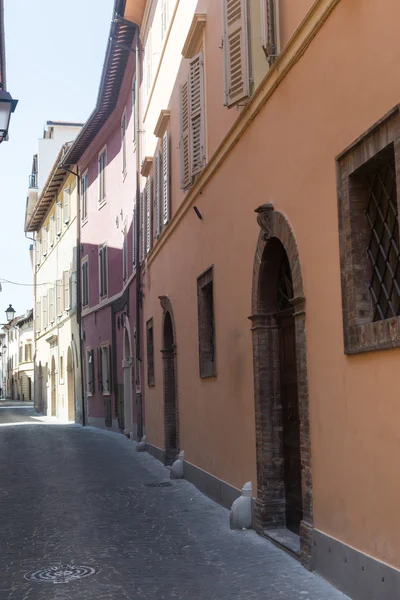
<point x="256" y="325"/>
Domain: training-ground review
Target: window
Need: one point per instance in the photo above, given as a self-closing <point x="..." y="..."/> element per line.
<point x="102" y="162"/>
<point x="67" y="289"/>
<point x="165" y="182"/>
<point x="104" y="369"/>
<point x="37" y="246"/>
<point x="157" y="194"/>
<point x="85" y="282"/>
<point x="148" y="214"/>
<point x="59" y="285"/>
<point x="44" y="309"/>
<point x="150" y="353"/>
<point x="134" y="226"/>
<point x="52" y="228"/>
<point x="28" y="352"/>
<point x="142" y="226"/>
<point x="21" y="349"/>
<point x="58" y="218"/>
<point x="164" y="17"/>
<point x="270" y="29"/>
<point x="51" y="305"/>
<point x="103" y="271"/>
<point x="125" y="257"/>
<point x="369" y="238"/>
<point x="67" y="207"/>
<point x="38" y="320"/>
<point x="44" y="241"/>
<point x="123" y="143"/>
<point x="236" y="51"/>
<point x="192" y="123"/>
<point x="90" y="371"/>
<point x="205" y="299"/>
<point x="84" y="191"/>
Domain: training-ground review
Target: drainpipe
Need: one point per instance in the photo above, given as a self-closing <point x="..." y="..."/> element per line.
<point x="136" y="50"/>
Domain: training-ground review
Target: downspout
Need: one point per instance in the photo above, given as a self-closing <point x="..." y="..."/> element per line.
<point x="79" y="286"/>
<point x="139" y="396"/>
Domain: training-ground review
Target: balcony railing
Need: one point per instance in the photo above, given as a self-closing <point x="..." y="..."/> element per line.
<point x="33" y="180"/>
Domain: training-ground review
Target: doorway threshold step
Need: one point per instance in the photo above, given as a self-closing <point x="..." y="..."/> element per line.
<point x="285" y="538"/>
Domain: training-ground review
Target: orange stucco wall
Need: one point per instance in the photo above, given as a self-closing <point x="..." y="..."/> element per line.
<point x="338" y="89"/>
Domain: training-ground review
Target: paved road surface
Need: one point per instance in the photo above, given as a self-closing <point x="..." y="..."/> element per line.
<point x="76" y="496"/>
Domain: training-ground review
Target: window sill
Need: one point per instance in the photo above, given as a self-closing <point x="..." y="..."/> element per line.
<point x="106" y="393"/>
<point x="379" y="335"/>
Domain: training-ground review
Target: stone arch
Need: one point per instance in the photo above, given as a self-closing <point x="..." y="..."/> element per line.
<point x="170" y="388"/>
<point x="275" y="240"/>
<point x="127" y="378"/>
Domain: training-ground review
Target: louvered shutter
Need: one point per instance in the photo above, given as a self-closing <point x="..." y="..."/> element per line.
<point x="148" y="215"/>
<point x="58" y="218"/>
<point x="66" y="205"/>
<point x="269" y="29"/>
<point x="37" y="243"/>
<point x="196" y="113"/>
<point x="134" y="226"/>
<point x="109" y="368"/>
<point x="165" y="179"/>
<point x="142" y="226"/>
<point x="157" y="194"/>
<point x="236" y="51"/>
<point x="125" y="257"/>
<point x="99" y="370"/>
<point x="186" y="179"/>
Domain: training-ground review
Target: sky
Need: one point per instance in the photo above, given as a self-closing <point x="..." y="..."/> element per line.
<point x="54" y="54"/>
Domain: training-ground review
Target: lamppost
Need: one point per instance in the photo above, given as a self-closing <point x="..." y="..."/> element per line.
<point x="7" y="106"/>
<point x="10" y="312"/>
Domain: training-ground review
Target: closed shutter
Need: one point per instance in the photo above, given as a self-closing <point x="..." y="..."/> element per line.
<point x="37" y="243"/>
<point x="148" y="215"/>
<point x="58" y="218"/>
<point x="165" y="179"/>
<point x="236" y="52"/>
<point x="186" y="179"/>
<point x="51" y="231"/>
<point x="157" y="194"/>
<point x="269" y="29"/>
<point x="44" y="241"/>
<point x="51" y="305"/>
<point x="99" y="369"/>
<point x="142" y="226"/>
<point x="66" y="205"/>
<point x="164" y="17"/>
<point x="59" y="296"/>
<point x="38" y="317"/>
<point x="134" y="226"/>
<point x="196" y="112"/>
<point x="148" y="61"/>
<point x="67" y="290"/>
<point x="124" y="257"/>
<point x="44" y="306"/>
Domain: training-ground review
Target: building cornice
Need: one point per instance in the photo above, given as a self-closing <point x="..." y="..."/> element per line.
<point x="194" y="38"/>
<point x="290" y="55"/>
<point x="162" y="123"/>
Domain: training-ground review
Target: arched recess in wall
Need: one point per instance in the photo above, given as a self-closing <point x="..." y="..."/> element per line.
<point x="170" y="380"/>
<point x="283" y="442"/>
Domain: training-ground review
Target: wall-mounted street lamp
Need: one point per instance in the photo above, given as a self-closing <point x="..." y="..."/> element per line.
<point x="10" y="312"/>
<point x="7" y="106"/>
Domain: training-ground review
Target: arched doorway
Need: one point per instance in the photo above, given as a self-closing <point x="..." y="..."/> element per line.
<point x="70" y="386"/>
<point x="40" y="388"/>
<point x="171" y="419"/>
<point x="53" y="388"/>
<point x="127" y="375"/>
<point x="284" y="482"/>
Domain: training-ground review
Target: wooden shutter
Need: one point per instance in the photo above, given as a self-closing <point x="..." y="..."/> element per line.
<point x="142" y="226"/>
<point x="165" y="179"/>
<point x="148" y="215"/>
<point x="37" y="243"/>
<point x="134" y="226"/>
<point x="66" y="205"/>
<point x="109" y="367"/>
<point x="236" y="51"/>
<point x="157" y="194"/>
<point x="196" y="113"/>
<point x="59" y="296"/>
<point x="58" y="218"/>
<point x="269" y="29"/>
<point x="186" y="179"/>
<point x="99" y="370"/>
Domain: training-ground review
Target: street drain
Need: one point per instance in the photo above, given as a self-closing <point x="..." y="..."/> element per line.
<point x="61" y="573"/>
<point x="154" y="484"/>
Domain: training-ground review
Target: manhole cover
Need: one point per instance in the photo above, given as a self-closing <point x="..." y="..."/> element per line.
<point x="61" y="573"/>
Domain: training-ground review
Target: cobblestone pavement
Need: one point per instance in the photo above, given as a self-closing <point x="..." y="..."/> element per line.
<point x="76" y="496"/>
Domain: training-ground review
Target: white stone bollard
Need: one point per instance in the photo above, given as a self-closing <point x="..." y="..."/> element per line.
<point x="142" y="446"/>
<point x="177" y="467"/>
<point x="240" y="515"/>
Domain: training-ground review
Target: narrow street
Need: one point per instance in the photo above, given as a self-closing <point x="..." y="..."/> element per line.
<point x="77" y="496"/>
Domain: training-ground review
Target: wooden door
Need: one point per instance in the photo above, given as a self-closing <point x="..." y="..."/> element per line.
<point x="290" y="421"/>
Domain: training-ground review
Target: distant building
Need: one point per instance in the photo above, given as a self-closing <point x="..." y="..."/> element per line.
<point x="18" y="340"/>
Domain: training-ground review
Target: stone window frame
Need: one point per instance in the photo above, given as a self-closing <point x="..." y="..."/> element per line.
<point x="361" y="334"/>
<point x="207" y="368"/>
